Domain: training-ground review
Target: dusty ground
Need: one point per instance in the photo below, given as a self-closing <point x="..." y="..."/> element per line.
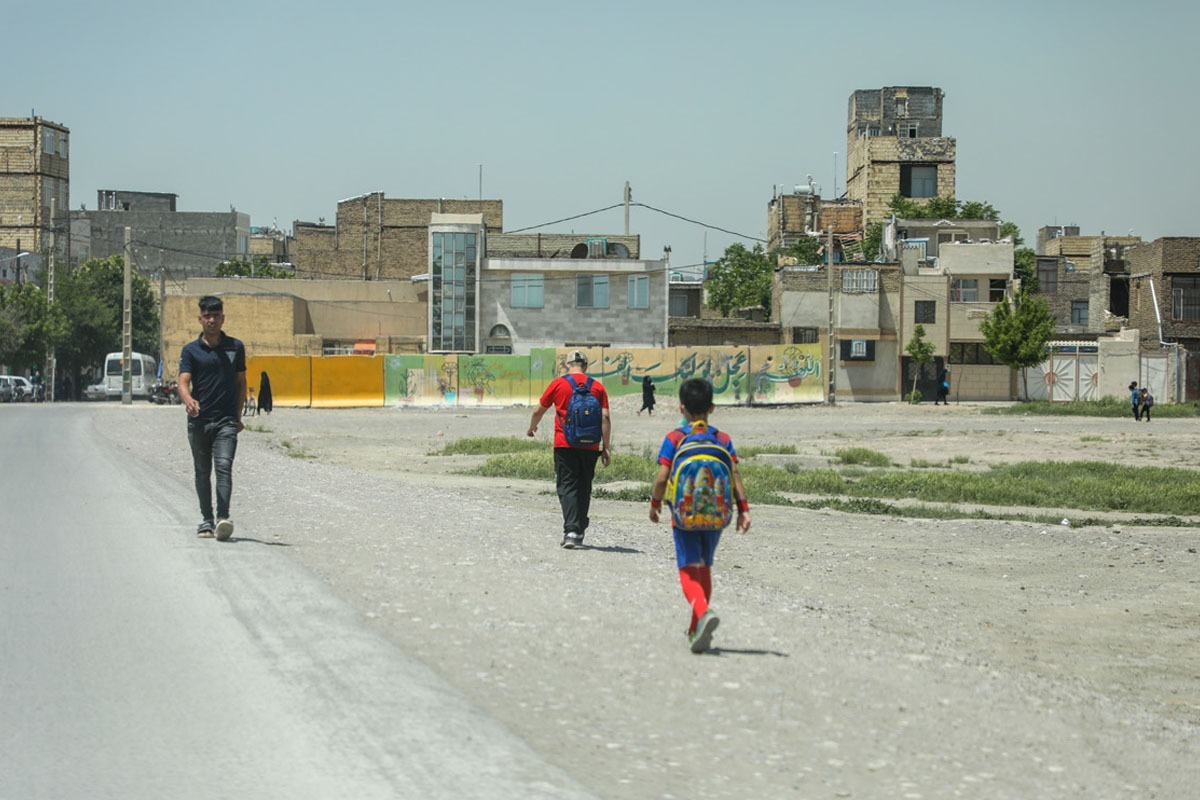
<point x="858" y="656"/>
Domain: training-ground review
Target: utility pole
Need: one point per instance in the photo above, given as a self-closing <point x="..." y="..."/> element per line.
<point x="832" y="337"/>
<point x="628" y="195"/>
<point x="127" y="324"/>
<point x="50" y="370"/>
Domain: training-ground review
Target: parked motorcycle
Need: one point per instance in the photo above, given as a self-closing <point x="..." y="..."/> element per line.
<point x="165" y="393"/>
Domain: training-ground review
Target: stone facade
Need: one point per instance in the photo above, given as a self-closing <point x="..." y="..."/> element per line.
<point x="1088" y="272"/>
<point x="35" y="167"/>
<point x="791" y="217"/>
<point x="890" y="131"/>
<point x="376" y="238"/>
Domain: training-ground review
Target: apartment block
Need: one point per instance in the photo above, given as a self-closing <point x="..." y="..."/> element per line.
<point x="377" y="238"/>
<point x="895" y="146"/>
<point x="35" y="169"/>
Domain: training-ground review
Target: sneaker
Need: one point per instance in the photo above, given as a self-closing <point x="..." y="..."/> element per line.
<point x="702" y="638"/>
<point x="571" y="540"/>
<point x="224" y="529"/>
<point x="205" y="529"/>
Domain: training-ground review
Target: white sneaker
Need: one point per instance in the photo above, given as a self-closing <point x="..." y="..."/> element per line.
<point x="224" y="529"/>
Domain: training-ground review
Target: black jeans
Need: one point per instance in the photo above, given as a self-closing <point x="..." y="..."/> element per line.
<point x="214" y="444"/>
<point x="573" y="473"/>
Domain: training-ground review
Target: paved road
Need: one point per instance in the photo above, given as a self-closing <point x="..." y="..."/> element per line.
<point x="137" y="661"/>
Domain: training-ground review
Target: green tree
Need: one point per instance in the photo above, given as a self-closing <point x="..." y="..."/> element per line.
<point x="90" y="300"/>
<point x="25" y="327"/>
<point x="921" y="353"/>
<point x="1017" y="334"/>
<point x="741" y="278"/>
<point x="260" y="267"/>
<point x="1025" y="268"/>
<point x="873" y="241"/>
<point x="806" y="251"/>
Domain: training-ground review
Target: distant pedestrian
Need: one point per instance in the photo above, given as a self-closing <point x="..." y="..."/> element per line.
<point x="943" y="388"/>
<point x="579" y="440"/>
<point x="212" y="385"/>
<point x="265" y="401"/>
<point x="699" y="479"/>
<point x="1147" y="403"/>
<point x="647" y="396"/>
<point x="1135" y="399"/>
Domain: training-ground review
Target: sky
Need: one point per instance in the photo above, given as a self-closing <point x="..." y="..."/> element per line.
<point x="1064" y="113"/>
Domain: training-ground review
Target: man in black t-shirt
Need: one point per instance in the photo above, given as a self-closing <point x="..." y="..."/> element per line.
<point x="212" y="385"/>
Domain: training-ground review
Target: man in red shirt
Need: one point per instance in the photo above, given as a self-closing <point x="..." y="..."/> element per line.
<point x="574" y="466"/>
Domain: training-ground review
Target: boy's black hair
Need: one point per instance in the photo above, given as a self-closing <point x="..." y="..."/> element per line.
<point x="211" y="303"/>
<point x="696" y="394"/>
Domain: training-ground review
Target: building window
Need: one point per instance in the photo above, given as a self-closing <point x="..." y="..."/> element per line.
<point x="806" y="336"/>
<point x="678" y="304"/>
<point x="970" y="353"/>
<point x="997" y="288"/>
<point x="591" y="291"/>
<point x="1047" y="276"/>
<point x="1079" y="312"/>
<point x="964" y="290"/>
<point x="527" y="290"/>
<point x="925" y="312"/>
<point x="901" y="106"/>
<point x="918" y="180"/>
<point x="452" y="291"/>
<point x="857" y="349"/>
<point x="906" y="130"/>
<point x="860" y="281"/>
<point x="639" y="291"/>
<point x="1185" y="298"/>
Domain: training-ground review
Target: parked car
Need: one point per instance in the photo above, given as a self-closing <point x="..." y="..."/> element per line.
<point x="7" y="389"/>
<point x="23" y="391"/>
<point x="97" y="391"/>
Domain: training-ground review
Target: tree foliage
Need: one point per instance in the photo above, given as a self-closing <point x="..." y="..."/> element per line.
<point x="26" y="327"/>
<point x="259" y="267"/>
<point x="1017" y="334"/>
<point x="807" y="251"/>
<point x="873" y="241"/>
<point x="740" y="278"/>
<point x="90" y="300"/>
<point x="921" y="353"/>
<point x="1025" y="268"/>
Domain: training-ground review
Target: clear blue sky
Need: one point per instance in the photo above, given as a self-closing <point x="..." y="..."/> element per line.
<point x="1065" y="113"/>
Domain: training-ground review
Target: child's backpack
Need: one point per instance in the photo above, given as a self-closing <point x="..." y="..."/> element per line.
<point x="582" y="424"/>
<point x="700" y="486"/>
<point x="1148" y="401"/>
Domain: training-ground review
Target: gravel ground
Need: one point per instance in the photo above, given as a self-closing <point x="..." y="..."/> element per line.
<point x="858" y="656"/>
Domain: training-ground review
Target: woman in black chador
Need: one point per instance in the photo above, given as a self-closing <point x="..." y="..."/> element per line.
<point x="264" y="394"/>
<point x="647" y="396"/>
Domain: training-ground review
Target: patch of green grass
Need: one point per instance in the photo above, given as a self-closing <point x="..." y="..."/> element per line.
<point x="1094" y="439"/>
<point x="1108" y="407"/>
<point x="488" y="445"/>
<point x="253" y="428"/>
<point x="921" y="463"/>
<point x="767" y="449"/>
<point x="959" y="459"/>
<point x="539" y="465"/>
<point x="294" y="450"/>
<point x="862" y="455"/>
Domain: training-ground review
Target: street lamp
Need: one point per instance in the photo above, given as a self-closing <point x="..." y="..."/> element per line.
<point x="16" y="258"/>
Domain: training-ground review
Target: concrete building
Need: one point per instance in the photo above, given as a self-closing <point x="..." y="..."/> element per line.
<point x="801" y="213"/>
<point x="924" y="237"/>
<point x="512" y="293"/>
<point x="180" y="244"/>
<point x="376" y="238"/>
<point x="35" y="168"/>
<point x="895" y="146"/>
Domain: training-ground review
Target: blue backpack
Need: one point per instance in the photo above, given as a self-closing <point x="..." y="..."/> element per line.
<point x="582" y="423"/>
<point x="700" y="486"/>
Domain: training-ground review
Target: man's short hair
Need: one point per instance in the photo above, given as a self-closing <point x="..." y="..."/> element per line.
<point x="210" y="303"/>
<point x="696" y="394"/>
<point x="577" y="357"/>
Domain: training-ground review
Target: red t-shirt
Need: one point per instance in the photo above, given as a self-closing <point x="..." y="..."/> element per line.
<point x="558" y="394"/>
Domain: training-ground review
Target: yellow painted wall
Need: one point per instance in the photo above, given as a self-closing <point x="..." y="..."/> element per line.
<point x="346" y="381"/>
<point x="290" y="376"/>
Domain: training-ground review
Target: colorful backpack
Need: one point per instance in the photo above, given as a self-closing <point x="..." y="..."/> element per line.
<point x="582" y="424"/>
<point x="700" y="486"/>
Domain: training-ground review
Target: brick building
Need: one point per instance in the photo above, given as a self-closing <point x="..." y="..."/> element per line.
<point x="1084" y="281"/>
<point x="1164" y="294"/>
<point x="35" y="168"/>
<point x="376" y="238"/>
<point x="895" y="146"/>
<point x="792" y="216"/>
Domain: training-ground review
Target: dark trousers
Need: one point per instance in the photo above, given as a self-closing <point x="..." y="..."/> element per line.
<point x="214" y="444"/>
<point x="573" y="473"/>
<point x="1137" y="412"/>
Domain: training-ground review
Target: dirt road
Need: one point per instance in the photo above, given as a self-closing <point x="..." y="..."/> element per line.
<point x="858" y="656"/>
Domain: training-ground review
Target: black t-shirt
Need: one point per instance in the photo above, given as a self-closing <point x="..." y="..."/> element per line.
<point x="214" y="372"/>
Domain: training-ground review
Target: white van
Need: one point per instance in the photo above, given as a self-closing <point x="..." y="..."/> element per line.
<point x="143" y="369"/>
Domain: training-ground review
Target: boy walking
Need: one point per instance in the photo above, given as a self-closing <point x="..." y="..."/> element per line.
<point x="580" y="438"/>
<point x="1147" y="403"/>
<point x="698" y="476"/>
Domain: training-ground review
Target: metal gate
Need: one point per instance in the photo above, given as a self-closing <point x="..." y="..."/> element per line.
<point x="1070" y="373"/>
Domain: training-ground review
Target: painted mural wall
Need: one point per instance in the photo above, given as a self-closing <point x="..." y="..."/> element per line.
<point x="740" y="375"/>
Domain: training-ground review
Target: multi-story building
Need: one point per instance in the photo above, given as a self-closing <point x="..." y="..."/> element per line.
<point x="180" y="244"/>
<point x="35" y="168"/>
<point x="1164" y="294"/>
<point x="1084" y="279"/>
<point x="895" y="146"/>
<point x="511" y="293"/>
<point x="376" y="238"/>
<point x="792" y="216"/>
